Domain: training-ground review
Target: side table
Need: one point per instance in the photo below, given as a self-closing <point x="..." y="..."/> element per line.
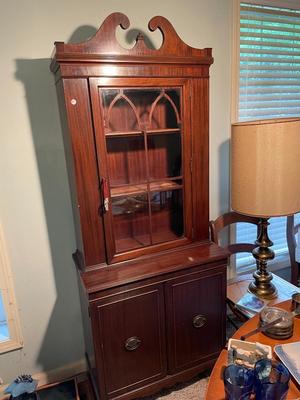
<point x="215" y="388"/>
<point x="238" y="286"/>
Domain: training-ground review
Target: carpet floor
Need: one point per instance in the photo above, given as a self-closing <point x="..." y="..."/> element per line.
<point x="193" y="390"/>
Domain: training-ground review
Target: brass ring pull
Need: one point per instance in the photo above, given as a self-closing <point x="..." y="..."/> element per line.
<point x="199" y="321"/>
<point x="132" y="343"/>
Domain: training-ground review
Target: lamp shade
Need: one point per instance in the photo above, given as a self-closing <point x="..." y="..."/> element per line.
<point x="265" y="167"/>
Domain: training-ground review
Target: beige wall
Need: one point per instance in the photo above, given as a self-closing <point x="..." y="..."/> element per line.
<point x="35" y="207"/>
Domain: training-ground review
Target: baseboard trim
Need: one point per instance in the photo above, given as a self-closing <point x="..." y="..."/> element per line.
<point x="55" y="375"/>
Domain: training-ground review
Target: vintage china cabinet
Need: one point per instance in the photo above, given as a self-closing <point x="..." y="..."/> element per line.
<point x="136" y="137"/>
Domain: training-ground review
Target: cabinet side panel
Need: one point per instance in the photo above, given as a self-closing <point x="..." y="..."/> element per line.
<point x="87" y="327"/>
<point x="70" y="163"/>
<point x="80" y="140"/>
<point x="200" y="157"/>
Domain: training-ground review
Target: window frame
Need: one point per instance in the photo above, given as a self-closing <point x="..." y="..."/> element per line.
<point x="15" y="340"/>
<point x="293" y="4"/>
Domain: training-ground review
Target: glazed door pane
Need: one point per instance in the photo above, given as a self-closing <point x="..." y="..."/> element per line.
<point x="143" y="143"/>
<point x="164" y="155"/>
<point x="126" y="160"/>
<point x="167" y="217"/>
<point x="131" y="222"/>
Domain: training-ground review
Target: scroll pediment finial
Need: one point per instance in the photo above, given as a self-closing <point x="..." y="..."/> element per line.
<point x="105" y="44"/>
<point x="140" y="36"/>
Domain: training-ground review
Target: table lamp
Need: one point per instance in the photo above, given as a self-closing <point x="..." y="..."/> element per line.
<point x="265" y="182"/>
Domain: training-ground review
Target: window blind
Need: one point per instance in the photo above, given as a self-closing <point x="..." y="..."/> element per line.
<point x="247" y="233"/>
<point x="269" y="87"/>
<point x="269" y="62"/>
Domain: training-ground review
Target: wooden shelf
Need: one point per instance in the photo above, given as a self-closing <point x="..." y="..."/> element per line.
<point x="164" y="186"/>
<point x="131" y="190"/>
<point x="164" y="236"/>
<point x="144" y="240"/>
<point x="123" y="134"/>
<point x="162" y="131"/>
<point x="128" y="190"/>
<point x="131" y="243"/>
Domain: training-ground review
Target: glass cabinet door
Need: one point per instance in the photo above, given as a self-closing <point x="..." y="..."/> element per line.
<point x="143" y="140"/>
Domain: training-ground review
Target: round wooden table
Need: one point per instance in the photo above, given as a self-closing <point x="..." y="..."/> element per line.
<point x="215" y="388"/>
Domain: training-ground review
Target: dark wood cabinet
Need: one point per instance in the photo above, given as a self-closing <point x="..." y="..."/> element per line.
<point x="135" y="126"/>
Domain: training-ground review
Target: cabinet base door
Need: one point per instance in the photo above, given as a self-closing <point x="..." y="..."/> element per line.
<point x="130" y="330"/>
<point x="196" y="325"/>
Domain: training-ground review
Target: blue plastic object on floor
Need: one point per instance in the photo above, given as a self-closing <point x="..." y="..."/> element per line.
<point x="24" y="384"/>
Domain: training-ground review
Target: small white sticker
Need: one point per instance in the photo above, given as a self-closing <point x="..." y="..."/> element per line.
<point x="73" y="102"/>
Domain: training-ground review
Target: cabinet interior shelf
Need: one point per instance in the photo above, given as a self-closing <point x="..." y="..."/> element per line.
<point x="143" y="240"/>
<point x="161" y="186"/>
<point x="162" y="131"/>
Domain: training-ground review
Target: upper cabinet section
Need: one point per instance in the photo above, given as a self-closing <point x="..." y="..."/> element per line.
<point x="137" y="131"/>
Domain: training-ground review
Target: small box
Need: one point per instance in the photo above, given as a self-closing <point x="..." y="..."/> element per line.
<point x="247" y="353"/>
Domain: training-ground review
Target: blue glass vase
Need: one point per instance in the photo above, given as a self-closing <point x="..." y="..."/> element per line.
<point x="271" y="380"/>
<point x="238" y="382"/>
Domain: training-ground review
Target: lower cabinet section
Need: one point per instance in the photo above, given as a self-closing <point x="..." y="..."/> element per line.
<point x="148" y="335"/>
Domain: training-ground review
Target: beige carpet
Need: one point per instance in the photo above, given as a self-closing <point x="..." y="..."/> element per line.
<point x="193" y="390"/>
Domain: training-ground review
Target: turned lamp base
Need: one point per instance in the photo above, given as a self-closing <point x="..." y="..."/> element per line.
<point x="262" y="285"/>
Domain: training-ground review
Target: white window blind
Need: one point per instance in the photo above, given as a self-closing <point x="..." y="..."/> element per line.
<point x="269" y="62"/>
<point x="247" y="233"/>
<point x="269" y="87"/>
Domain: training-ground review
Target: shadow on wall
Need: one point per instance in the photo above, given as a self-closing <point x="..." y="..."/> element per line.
<point x="85" y="32"/>
<point x="63" y="341"/>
